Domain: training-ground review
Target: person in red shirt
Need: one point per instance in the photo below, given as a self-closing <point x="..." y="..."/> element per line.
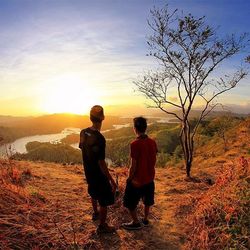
<point x="140" y="182"/>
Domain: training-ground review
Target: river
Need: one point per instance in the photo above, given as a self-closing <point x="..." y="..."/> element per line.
<point x="19" y="145"/>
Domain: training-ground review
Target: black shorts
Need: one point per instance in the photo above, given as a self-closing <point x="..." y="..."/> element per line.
<point x="133" y="195"/>
<point x="102" y="192"/>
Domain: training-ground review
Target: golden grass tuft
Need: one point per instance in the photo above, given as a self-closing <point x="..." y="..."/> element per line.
<point x="220" y="218"/>
<point x="20" y="214"/>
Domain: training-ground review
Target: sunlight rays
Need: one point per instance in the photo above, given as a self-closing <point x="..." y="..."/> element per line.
<point x="69" y="93"/>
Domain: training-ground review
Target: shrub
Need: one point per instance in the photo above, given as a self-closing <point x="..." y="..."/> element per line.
<point x="178" y="153"/>
<point x="11" y="174"/>
<point x="167" y="140"/>
<point x="59" y="153"/>
<point x="118" y="150"/>
<point x="162" y="159"/>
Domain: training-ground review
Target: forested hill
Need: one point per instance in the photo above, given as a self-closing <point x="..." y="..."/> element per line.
<point x="12" y="128"/>
<point x="211" y="133"/>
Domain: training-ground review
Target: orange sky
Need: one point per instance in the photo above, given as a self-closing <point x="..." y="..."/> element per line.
<point x="65" y="56"/>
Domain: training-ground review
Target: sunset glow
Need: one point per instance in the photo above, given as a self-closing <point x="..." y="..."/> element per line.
<point x="64" y="56"/>
<point x="70" y="94"/>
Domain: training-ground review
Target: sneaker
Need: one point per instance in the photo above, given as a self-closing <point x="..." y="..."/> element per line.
<point x="102" y="229"/>
<point x="132" y="226"/>
<point x="95" y="216"/>
<point x="145" y="223"/>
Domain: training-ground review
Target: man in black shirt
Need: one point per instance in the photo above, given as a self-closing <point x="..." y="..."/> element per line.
<point x="101" y="185"/>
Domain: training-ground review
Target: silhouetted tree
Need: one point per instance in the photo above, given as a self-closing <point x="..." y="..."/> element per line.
<point x="188" y="52"/>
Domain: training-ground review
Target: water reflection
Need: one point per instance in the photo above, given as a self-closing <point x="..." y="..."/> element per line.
<point x="19" y="145"/>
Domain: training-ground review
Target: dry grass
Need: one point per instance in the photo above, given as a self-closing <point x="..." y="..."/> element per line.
<point x="220" y="217"/>
<point x="22" y="219"/>
<point x="47" y="208"/>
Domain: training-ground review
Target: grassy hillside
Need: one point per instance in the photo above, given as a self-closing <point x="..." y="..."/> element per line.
<point x="45" y="205"/>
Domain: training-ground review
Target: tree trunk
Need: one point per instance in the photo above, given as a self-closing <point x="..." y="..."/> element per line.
<point x="187" y="147"/>
<point x="188" y="168"/>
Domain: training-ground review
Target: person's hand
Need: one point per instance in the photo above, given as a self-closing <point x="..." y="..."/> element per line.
<point x="135" y="183"/>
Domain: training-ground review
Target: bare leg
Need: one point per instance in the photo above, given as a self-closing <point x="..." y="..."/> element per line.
<point x="94" y="205"/>
<point x="133" y="214"/>
<point x="103" y="215"/>
<point x="146" y="212"/>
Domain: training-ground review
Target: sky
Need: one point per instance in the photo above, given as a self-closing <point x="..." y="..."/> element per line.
<point x="65" y="56"/>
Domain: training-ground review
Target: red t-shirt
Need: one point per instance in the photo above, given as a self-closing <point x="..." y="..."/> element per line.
<point x="144" y="150"/>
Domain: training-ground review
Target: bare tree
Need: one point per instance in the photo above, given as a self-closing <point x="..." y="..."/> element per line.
<point x="188" y="53"/>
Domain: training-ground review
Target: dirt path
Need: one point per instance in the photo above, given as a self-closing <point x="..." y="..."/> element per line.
<point x="68" y="209"/>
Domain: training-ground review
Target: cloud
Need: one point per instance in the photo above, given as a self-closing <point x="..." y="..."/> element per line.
<point x="105" y="47"/>
<point x="82" y="47"/>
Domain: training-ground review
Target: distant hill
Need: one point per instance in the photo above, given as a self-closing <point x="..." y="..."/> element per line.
<point x="7" y="119"/>
<point x="58" y="121"/>
<point x="196" y="113"/>
<point x="62" y="120"/>
<point x="12" y="128"/>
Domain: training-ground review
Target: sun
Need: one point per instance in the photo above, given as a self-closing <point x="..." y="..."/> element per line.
<point x="69" y="94"/>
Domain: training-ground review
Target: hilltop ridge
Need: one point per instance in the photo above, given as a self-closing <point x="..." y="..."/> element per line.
<point x="45" y="205"/>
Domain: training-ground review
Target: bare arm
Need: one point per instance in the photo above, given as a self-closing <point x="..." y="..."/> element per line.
<point x="81" y="140"/>
<point x="132" y="168"/>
